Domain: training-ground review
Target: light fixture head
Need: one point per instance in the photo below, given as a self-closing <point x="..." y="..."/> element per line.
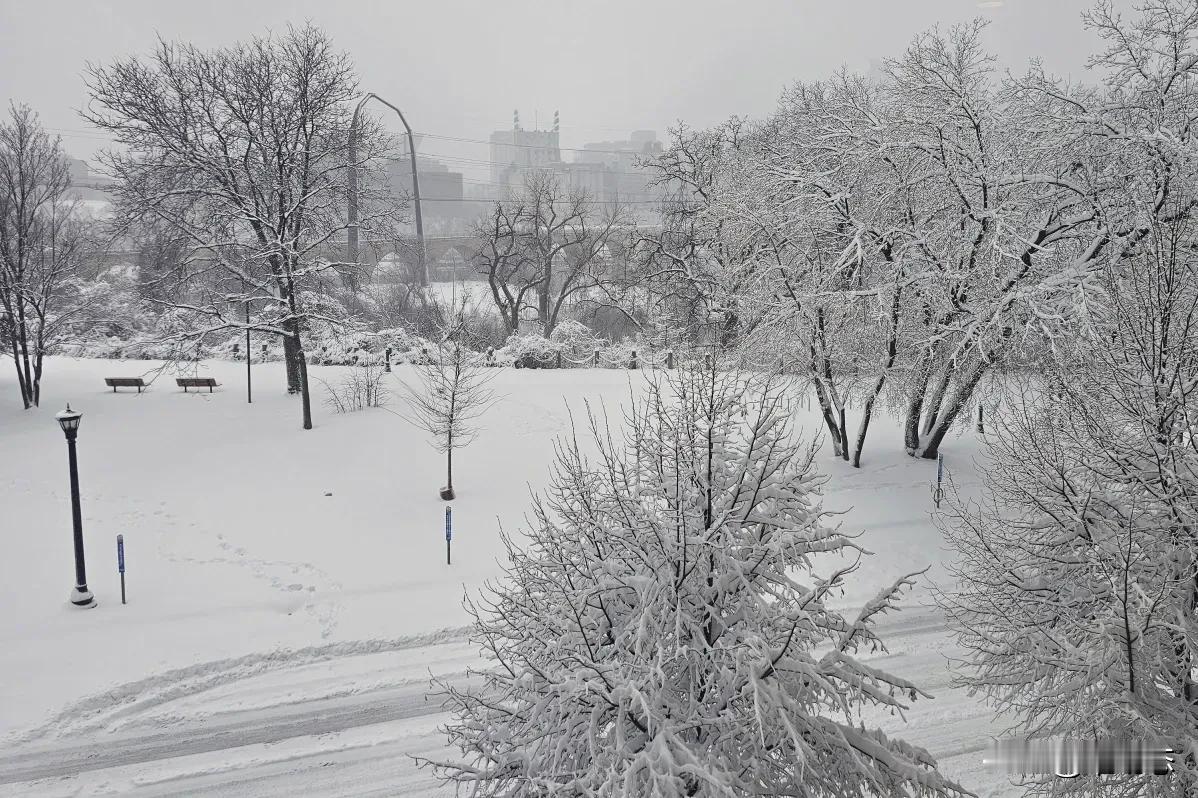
<point x="69" y="420"/>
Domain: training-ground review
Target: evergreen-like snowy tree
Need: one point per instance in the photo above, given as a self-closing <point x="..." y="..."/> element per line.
<point x="660" y="631"/>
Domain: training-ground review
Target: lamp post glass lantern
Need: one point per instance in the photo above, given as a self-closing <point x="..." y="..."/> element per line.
<point x="69" y="421"/>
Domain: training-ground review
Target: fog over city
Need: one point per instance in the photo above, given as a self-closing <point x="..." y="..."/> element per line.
<point x="459" y="68"/>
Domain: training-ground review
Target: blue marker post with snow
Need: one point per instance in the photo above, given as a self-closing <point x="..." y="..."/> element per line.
<point x="120" y="562"/>
<point x="448" y="534"/>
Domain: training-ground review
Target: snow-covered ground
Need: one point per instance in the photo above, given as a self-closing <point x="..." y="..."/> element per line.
<point x="288" y="592"/>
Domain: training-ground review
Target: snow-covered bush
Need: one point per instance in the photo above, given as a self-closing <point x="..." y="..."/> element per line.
<point x="574" y="339"/>
<point x="660" y="631"/>
<point x="573" y="346"/>
<point x="349" y="349"/>
<point x="618" y="355"/>
<point x="528" y="351"/>
<point x="361" y="387"/>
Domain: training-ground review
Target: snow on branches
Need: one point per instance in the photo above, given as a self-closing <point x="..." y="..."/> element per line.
<point x="451" y="393"/>
<point x="1078" y="573"/>
<point x="661" y="632"/>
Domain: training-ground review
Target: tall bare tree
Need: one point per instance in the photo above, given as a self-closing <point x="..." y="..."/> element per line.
<point x="546" y="247"/>
<point x="40" y="246"/>
<point x="243" y="151"/>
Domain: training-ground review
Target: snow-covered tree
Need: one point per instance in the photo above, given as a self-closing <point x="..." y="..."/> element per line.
<point x="242" y="154"/>
<point x="908" y="234"/>
<point x="1077" y="590"/>
<point x="545" y="247"/>
<point x="660" y="630"/>
<point x="693" y="269"/>
<point x="41" y="247"/>
<point x="451" y="393"/>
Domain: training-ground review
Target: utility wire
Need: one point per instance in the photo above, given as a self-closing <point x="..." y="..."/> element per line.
<point x="529" y="167"/>
<point x="99" y="136"/>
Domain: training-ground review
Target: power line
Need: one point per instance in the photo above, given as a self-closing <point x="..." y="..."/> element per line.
<point x="521" y="167"/>
<point x="527" y="146"/>
<point x="95" y="134"/>
<point x="530" y="167"/>
<point x="497" y="199"/>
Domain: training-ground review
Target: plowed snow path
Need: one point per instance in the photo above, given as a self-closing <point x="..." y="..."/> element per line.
<point x="350" y="725"/>
<point x="253" y="727"/>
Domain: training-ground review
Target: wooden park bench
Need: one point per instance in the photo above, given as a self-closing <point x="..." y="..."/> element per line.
<point x="124" y="382"/>
<point x="196" y="382"/>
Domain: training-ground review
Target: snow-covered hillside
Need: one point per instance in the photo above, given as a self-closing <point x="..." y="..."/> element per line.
<point x="273" y="571"/>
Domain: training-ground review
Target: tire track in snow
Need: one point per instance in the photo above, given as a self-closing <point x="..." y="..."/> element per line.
<point x="953" y="727"/>
<point x="98" y="712"/>
<point x="321" y="717"/>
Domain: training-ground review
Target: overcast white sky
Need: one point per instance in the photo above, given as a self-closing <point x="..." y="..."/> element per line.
<point x="459" y="67"/>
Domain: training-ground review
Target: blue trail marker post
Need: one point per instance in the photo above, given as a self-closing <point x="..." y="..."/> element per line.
<point x="120" y="562"/>
<point x="448" y="534"/>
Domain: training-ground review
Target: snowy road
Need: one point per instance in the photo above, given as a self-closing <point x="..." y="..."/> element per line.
<point x="250" y="727"/>
<point x="348" y="727"/>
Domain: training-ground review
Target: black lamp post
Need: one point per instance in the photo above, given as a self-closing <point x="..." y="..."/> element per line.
<point x="69" y="421"/>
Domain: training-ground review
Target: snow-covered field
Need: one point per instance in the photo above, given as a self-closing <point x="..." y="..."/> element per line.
<point x="288" y="591"/>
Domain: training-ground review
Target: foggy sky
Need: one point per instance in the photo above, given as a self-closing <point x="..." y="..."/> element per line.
<point x="459" y="67"/>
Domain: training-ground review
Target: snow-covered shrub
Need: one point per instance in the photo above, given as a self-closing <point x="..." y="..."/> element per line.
<point x="660" y="630"/>
<point x="397" y="339"/>
<point x="361" y="387"/>
<point x="529" y="351"/>
<point x="573" y="339"/>
<point x="618" y="355"/>
<point x="352" y="348"/>
<point x="573" y="342"/>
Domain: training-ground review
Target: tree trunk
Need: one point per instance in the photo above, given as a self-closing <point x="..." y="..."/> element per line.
<point x="867" y="412"/>
<point x="830" y="414"/>
<point x="291" y="355"/>
<point x="545" y="289"/>
<point x="920" y="376"/>
<point x="449" y="468"/>
<point x="844" y="434"/>
<point x="911" y="421"/>
<point x="24" y="369"/>
<point x="16" y="362"/>
<point x="305" y="394"/>
<point x="930" y="445"/>
<point x="37" y="377"/>
<point x="867" y="409"/>
<point x="932" y="407"/>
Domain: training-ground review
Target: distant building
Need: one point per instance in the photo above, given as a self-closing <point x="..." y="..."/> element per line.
<point x="608" y="171"/>
<point x="516" y="151"/>
<point x="624" y="161"/>
<point x="86" y="185"/>
<point x="441" y="191"/>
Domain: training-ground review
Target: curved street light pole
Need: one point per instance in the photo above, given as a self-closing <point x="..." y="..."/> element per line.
<point x="352" y="186"/>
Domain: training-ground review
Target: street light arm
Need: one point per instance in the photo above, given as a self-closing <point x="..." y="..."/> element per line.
<point x="399" y="113"/>
<point x="352" y="185"/>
